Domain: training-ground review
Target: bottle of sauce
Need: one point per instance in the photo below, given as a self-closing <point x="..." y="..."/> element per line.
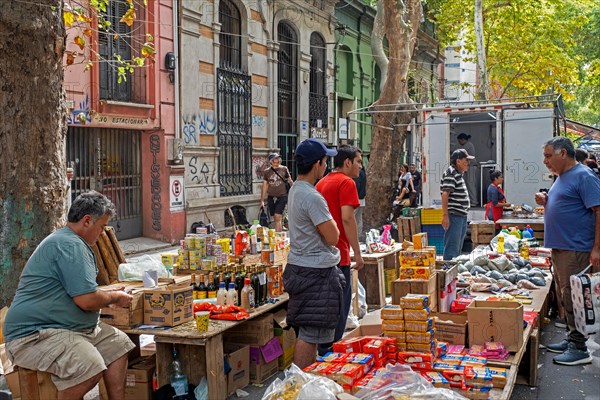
<point x="500" y="244"/>
<point x="221" y="294"/>
<point x="194" y="287"/>
<point x="247" y="300"/>
<point x="255" y="286"/>
<point x="211" y="289"/>
<point x="232" y="295"/>
<point x="202" y="287"/>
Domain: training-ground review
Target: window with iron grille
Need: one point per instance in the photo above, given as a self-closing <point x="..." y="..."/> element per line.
<point x="287" y="95"/>
<point x="234" y="107"/>
<point x="121" y="40"/>
<point x="317" y="106"/>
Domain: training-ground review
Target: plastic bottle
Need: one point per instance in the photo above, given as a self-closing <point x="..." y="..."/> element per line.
<point x="232" y="296"/>
<point x="500" y="244"/>
<point x="247" y="301"/>
<point x="528" y="229"/>
<point x="178" y="379"/>
<point x="221" y="294"/>
<point x="514" y="232"/>
<point x="504" y="229"/>
<point x="524" y="250"/>
<point x="255" y="227"/>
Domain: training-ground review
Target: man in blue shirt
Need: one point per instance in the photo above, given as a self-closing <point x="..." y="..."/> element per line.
<point x="53" y="323"/>
<point x="572" y="231"/>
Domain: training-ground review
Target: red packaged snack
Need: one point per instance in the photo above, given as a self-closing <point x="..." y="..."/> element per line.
<point x="346" y="374"/>
<point x="409" y="357"/>
<point x="436" y="379"/>
<point x="375" y="347"/>
<point x="334" y="357"/>
<point x="351" y="345"/>
<point x="454" y="376"/>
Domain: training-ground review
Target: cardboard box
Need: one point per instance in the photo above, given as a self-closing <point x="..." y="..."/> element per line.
<point x="402" y="287"/>
<point x="125" y="317"/>
<point x="264" y="361"/>
<point x="496" y="321"/>
<point x="255" y="332"/>
<point x="451" y="328"/>
<point x="370" y="325"/>
<point x="11" y="376"/>
<point x="138" y="382"/>
<point x="238" y="357"/>
<point x="168" y="306"/>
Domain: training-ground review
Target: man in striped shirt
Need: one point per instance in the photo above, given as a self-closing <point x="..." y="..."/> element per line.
<point x="455" y="203"/>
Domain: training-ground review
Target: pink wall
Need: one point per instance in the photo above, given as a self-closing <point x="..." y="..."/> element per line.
<point x="157" y="122"/>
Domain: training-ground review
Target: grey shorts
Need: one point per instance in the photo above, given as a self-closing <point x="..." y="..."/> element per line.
<point x="72" y="357"/>
<point x="314" y="335"/>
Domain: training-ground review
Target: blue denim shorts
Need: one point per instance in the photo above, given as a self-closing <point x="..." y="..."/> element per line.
<point x="314" y="335"/>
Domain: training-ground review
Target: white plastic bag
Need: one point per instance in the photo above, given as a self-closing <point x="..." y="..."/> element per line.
<point x="362" y="300"/>
<point x="585" y="293"/>
<point x="134" y="271"/>
<point x="511" y="243"/>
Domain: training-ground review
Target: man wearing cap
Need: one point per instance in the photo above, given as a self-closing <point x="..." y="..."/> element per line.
<point x="311" y="277"/>
<point x="276" y="183"/>
<point x="341" y="194"/>
<point x="455" y="203"/>
<point x="471" y="176"/>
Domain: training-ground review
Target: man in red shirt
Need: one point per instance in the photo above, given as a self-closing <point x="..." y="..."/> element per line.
<point x="339" y="190"/>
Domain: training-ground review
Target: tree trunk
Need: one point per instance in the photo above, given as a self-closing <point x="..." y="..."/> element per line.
<point x="32" y="132"/>
<point x="482" y="77"/>
<point x="401" y="25"/>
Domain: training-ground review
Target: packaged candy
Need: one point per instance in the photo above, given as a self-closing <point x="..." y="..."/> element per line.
<point x="455" y="349"/>
<point x="409" y="357"/>
<point x="333" y="357"/>
<point x="350" y="345"/>
<point x="417" y="315"/>
<point x="392" y="325"/>
<point x="476" y="350"/>
<point x="347" y="374"/>
<point x="454" y="376"/>
<point x="419" y="337"/>
<point x="400" y="336"/>
<point x="441" y="349"/>
<point x="392" y="311"/>
<point x="436" y="379"/>
<point x="414" y="302"/>
<point x="418" y="326"/>
<point x="421" y="347"/>
<point x="474" y="361"/>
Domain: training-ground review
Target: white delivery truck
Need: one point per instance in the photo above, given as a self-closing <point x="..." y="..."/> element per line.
<point x="507" y="135"/>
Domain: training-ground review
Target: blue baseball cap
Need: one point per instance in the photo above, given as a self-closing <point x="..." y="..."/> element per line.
<point x="312" y="150"/>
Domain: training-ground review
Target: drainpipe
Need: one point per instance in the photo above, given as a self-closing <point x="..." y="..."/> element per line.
<point x="176" y="10"/>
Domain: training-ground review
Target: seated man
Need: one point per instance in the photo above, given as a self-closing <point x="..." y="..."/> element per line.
<point x="53" y="322"/>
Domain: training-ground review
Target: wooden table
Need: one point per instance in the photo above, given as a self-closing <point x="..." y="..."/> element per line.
<point x="201" y="354"/>
<point x="372" y="278"/>
<point x="537" y="224"/>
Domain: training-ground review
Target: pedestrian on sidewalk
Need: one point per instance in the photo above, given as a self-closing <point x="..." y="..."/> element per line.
<point x="339" y="190"/>
<point x="277" y="182"/>
<point x="361" y="187"/>
<point x="311" y="277"/>
<point x="455" y="203"/>
<point x="53" y="322"/>
<point x="572" y="231"/>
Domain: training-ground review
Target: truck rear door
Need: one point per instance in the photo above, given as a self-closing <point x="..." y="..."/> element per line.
<point x="525" y="132"/>
<point x="436" y="155"/>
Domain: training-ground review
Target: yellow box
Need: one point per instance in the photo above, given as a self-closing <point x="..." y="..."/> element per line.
<point x="420" y="240"/>
<point x="415" y="272"/>
<point x="168" y="259"/>
<point x="417" y="258"/>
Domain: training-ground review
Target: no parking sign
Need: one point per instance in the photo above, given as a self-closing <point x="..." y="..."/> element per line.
<point x="176" y="193"/>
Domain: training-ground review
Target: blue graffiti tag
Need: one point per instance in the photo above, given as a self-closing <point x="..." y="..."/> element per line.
<point x="202" y="123"/>
<point x="84" y="108"/>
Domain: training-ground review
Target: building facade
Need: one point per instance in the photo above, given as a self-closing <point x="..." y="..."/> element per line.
<point x="120" y="127"/>
<point x="256" y="77"/>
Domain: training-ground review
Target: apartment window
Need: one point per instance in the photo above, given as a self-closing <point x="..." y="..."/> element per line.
<point x="121" y="41"/>
<point x="317" y="106"/>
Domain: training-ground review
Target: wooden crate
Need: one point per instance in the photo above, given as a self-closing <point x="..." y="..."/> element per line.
<point x="408" y="226"/>
<point x="482" y="231"/>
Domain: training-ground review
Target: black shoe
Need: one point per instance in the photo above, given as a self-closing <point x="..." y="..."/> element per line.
<point x="558" y="347"/>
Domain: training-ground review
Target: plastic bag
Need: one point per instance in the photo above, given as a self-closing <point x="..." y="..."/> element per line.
<point x="299" y="385"/>
<point x="263" y="217"/>
<point x="362" y="300"/>
<point x="134" y="271"/>
<point x="511" y="243"/>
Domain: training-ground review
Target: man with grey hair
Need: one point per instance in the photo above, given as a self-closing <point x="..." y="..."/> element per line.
<point x="572" y="231"/>
<point x="53" y="322"/>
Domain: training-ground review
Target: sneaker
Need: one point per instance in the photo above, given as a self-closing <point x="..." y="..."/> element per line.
<point x="573" y="356"/>
<point x="560" y="323"/>
<point x="558" y="347"/>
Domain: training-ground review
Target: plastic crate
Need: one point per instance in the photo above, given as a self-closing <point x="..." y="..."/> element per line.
<point x="439" y="245"/>
<point x="431" y="216"/>
<point x="433" y="231"/>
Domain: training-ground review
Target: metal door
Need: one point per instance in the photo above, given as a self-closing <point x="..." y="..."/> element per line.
<point x="436" y="155"/>
<point x="109" y="161"/>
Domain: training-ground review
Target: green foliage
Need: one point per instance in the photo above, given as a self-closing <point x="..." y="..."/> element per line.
<point x="531" y="45"/>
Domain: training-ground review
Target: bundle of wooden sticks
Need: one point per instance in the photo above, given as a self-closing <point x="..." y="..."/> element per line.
<point x="108" y="256"/>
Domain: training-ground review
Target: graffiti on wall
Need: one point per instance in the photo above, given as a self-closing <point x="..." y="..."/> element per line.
<point x="200" y="172"/>
<point x="203" y="123"/>
<point x="155" y="183"/>
<point x="80" y="115"/>
<point x="259" y="164"/>
<point x="259" y="125"/>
